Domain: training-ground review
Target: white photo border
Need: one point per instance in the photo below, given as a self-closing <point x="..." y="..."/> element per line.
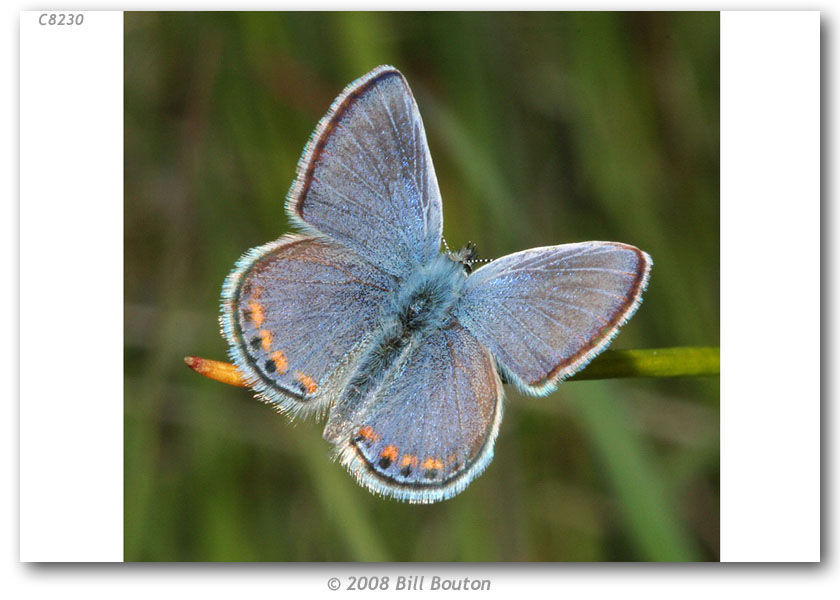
<point x="71" y="214"/>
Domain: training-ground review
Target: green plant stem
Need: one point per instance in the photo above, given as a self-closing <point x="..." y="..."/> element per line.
<point x="689" y="361"/>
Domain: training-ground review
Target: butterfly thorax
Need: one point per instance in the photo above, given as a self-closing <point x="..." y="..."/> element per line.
<point x="425" y="299"/>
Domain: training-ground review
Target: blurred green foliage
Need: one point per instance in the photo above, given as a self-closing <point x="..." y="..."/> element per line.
<point x="545" y="128"/>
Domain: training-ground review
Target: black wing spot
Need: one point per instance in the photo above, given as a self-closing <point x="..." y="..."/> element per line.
<point x="431" y="473"/>
<point x="270" y="367"/>
<point x="384" y="462"/>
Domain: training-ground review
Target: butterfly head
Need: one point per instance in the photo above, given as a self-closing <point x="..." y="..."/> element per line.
<point x="465" y="257"/>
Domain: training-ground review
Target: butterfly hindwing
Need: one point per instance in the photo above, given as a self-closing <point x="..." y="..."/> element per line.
<point x="366" y="177"/>
<point x="295" y="312"/>
<point x="427" y="429"/>
<point x="545" y="312"/>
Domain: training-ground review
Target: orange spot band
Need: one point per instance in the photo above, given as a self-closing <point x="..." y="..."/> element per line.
<point x="432" y="463"/>
<point x="257" y="313"/>
<point x="389" y="452"/>
<point x="266" y="337"/>
<point x="368" y="433"/>
<point x="308" y="383"/>
<point x="280" y="361"/>
<point x="409" y="460"/>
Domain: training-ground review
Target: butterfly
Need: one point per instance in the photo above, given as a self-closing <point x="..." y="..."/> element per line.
<point x="361" y="317"/>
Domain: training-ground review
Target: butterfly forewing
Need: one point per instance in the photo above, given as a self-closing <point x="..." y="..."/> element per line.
<point x="545" y="312"/>
<point x="295" y="313"/>
<point x="366" y="178"/>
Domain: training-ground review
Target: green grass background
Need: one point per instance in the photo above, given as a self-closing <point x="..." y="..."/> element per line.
<point x="545" y="128"/>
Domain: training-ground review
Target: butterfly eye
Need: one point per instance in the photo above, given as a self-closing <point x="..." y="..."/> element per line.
<point x="466" y="256"/>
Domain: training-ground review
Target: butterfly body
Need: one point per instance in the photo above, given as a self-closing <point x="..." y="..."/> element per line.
<point x="364" y="319"/>
<point x="419" y="305"/>
<point x="423" y="302"/>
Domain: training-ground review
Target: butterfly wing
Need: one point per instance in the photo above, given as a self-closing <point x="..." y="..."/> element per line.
<point x="295" y="312"/>
<point x="546" y="312"/>
<point x="366" y="177"/>
<point x="427" y="430"/>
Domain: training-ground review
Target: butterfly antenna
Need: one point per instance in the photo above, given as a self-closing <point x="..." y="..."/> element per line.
<point x="445" y="245"/>
<point x="472" y="261"/>
<point x="480" y="260"/>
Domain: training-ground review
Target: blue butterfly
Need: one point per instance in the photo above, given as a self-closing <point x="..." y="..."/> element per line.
<point x="361" y="316"/>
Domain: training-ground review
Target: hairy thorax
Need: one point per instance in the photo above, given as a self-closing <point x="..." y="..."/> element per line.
<point x="425" y="299"/>
<point x="421" y="304"/>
